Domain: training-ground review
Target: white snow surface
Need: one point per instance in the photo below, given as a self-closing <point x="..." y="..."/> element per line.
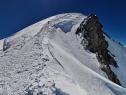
<point x="48" y="59"/>
<point x="120" y="56"/>
<point x="1" y="44"/>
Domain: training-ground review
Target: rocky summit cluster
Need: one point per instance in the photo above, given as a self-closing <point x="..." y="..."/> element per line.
<point x="94" y="40"/>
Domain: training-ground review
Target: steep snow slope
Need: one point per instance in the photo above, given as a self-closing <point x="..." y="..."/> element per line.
<point x="48" y="59"/>
<point x="120" y="56"/>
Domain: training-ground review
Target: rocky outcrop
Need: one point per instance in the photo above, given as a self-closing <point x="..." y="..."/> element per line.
<point x="93" y="40"/>
<point x="6" y="45"/>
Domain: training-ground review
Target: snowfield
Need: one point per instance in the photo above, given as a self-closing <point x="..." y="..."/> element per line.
<point x="47" y="58"/>
<point x="120" y="56"/>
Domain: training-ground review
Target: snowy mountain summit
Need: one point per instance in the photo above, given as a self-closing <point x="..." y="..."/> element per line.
<point x="67" y="54"/>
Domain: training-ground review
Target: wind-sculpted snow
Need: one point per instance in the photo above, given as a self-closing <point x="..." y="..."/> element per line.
<point x="65" y="26"/>
<point x="120" y="56"/>
<point x="48" y="59"/>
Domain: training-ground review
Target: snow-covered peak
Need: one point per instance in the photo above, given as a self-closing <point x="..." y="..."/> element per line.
<point x="48" y="58"/>
<point x="32" y="30"/>
<point x="63" y="21"/>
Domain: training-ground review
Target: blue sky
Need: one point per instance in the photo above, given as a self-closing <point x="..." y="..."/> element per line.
<point x="18" y="14"/>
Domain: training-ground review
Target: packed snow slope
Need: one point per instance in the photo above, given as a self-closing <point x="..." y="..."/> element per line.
<point x="47" y="59"/>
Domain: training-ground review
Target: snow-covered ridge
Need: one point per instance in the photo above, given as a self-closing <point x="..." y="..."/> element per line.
<point x="47" y="59"/>
<point x="32" y="30"/>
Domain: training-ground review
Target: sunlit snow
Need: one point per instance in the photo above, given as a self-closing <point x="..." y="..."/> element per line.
<point x="47" y="58"/>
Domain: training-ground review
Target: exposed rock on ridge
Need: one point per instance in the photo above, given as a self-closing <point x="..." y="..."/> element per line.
<point x="93" y="40"/>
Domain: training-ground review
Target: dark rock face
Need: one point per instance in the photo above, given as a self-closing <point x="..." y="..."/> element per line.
<point x="93" y="40"/>
<point x="5" y="45"/>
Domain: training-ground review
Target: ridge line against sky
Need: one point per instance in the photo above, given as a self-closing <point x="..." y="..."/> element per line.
<point x="18" y="14"/>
